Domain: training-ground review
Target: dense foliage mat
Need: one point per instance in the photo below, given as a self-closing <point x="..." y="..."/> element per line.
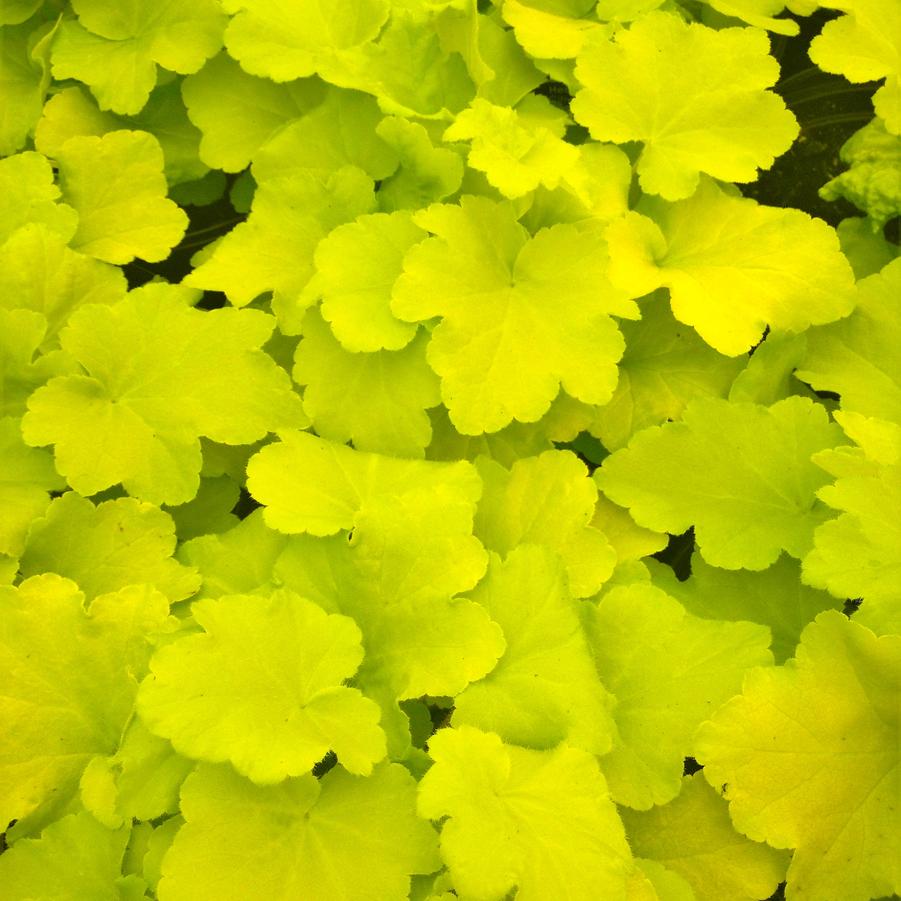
<point x="450" y="450"/>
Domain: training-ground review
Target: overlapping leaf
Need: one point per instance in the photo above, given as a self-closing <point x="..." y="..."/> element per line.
<point x="238" y="113"/>
<point x="23" y="82"/>
<point x="356" y="267"/>
<point x="694" y="96"/>
<point x="377" y="400"/>
<point x="774" y="597"/>
<point x="281" y="44"/>
<point x="29" y="195"/>
<point x="858" y="554"/>
<point x="539" y="821"/>
<point x="158" y="376"/>
<point x="39" y="272"/>
<point x="693" y="836"/>
<point x="516" y="151"/>
<point x="27" y="477"/>
<point x="104" y="548"/>
<point x="272" y="713"/>
<point x="871" y="183"/>
<point x="73" y="112"/>
<point x="740" y="474"/>
<point x="75" y="857"/>
<point x="520" y="315"/>
<point x="117" y="186"/>
<point x="857" y="358"/>
<point x="22" y="367"/>
<point x="398" y="577"/>
<point x="668" y="671"/>
<point x="115" y="50"/>
<point x="544" y="689"/>
<point x="775" y="748"/>
<point x="664" y="366"/>
<point x="314" y="486"/>
<point x="732" y="266"/>
<point x="864" y="45"/>
<point x="339" y="837"/>
<point x="273" y="250"/>
<point x="547" y="500"/>
<point x="70" y="683"/>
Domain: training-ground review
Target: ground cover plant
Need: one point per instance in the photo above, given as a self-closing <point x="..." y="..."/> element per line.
<point x="450" y="450"/>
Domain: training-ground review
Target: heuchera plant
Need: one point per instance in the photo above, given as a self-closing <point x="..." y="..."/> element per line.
<point x="335" y="558"/>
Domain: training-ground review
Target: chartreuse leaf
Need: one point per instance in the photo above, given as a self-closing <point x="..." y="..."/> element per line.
<point x="73" y="112"/>
<point x="665" y="365"/>
<point x="741" y="474"/>
<point x="871" y="183"/>
<point x="75" y="857"/>
<point x="760" y="13"/>
<point x="883" y="619"/>
<point x="209" y="511"/>
<point x="863" y="46"/>
<point x="410" y="555"/>
<point x="22" y="368"/>
<point x="859" y="553"/>
<point x="274" y="713"/>
<point x="628" y="539"/>
<point x="69" y="687"/>
<point x="238" y="113"/>
<point x="520" y="314"/>
<point x="537" y="821"/>
<point x="356" y="267"/>
<point x="104" y="548"/>
<point x="694" y="837"/>
<point x="546" y="500"/>
<point x="405" y="548"/>
<point x="158" y="844"/>
<point x="140" y="781"/>
<point x="732" y="266"/>
<point x="14" y="12"/>
<point x="377" y="400"/>
<point x="339" y="837"/>
<point x="544" y="689"/>
<point x="776" y="745"/>
<point x="651" y="881"/>
<point x="705" y="109"/>
<point x="26" y="478"/>
<point x="9" y="569"/>
<point x="425" y="173"/>
<point x="116" y="184"/>
<point x="29" y="195"/>
<point x="548" y="35"/>
<point x="238" y="561"/>
<point x="160" y="374"/>
<point x="515" y="153"/>
<point x="514" y="74"/>
<point x="858" y="357"/>
<point x="867" y="251"/>
<point x="281" y="44"/>
<point x="23" y="83"/>
<point x="273" y="249"/>
<point x="506" y="446"/>
<point x="774" y="597"/>
<point x="39" y="272"/>
<point x="596" y="187"/>
<point x="769" y="375"/>
<point x="311" y="485"/>
<point x="339" y="131"/>
<point x="668" y="671"/>
<point x="115" y="50"/>
<point x="411" y="69"/>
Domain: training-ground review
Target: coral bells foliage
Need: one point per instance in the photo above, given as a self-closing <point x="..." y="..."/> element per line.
<point x="359" y="361"/>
